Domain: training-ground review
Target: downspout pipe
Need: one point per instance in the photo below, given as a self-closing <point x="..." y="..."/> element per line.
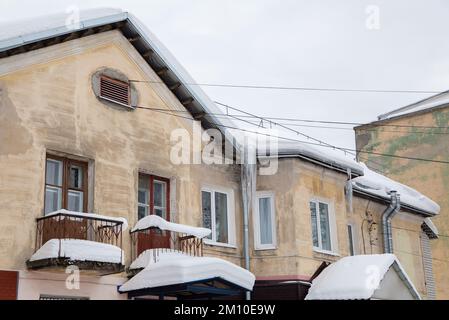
<point x="387" y="216"/>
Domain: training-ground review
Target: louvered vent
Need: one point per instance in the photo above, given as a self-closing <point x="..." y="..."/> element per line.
<point x="115" y="91"/>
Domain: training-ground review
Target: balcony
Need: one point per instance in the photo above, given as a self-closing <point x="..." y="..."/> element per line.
<point x="153" y="235"/>
<point x="88" y="241"/>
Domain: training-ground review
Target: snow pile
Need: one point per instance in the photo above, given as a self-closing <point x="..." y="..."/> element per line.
<point x="153" y="256"/>
<point x="92" y="216"/>
<point x="158" y="222"/>
<point x="322" y="154"/>
<point x="379" y="185"/>
<point x="353" y="277"/>
<point x="79" y="250"/>
<point x="173" y="269"/>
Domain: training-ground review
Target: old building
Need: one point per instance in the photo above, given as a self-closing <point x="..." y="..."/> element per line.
<point x="419" y="130"/>
<point x="87" y="117"/>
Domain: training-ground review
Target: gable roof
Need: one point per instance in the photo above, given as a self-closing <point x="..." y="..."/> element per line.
<point x="27" y="35"/>
<point x="360" y="277"/>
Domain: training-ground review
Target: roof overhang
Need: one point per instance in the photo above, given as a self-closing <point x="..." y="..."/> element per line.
<point x="363" y="194"/>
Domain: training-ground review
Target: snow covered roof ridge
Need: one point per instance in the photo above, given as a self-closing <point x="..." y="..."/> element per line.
<point x="437" y="100"/>
<point x="379" y="185"/>
<point x="119" y="220"/>
<point x="158" y="222"/>
<point x="357" y="277"/>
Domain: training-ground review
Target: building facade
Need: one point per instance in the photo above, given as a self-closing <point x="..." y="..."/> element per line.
<point x="416" y="131"/>
<point x="87" y="121"/>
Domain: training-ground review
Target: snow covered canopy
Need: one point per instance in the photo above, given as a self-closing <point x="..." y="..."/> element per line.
<point x="190" y="275"/>
<point x="378" y="276"/>
<point x="79" y="250"/>
<point x="154" y="221"/>
<point x="378" y="185"/>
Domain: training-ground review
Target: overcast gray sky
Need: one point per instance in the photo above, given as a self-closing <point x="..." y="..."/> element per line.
<point x="322" y="44"/>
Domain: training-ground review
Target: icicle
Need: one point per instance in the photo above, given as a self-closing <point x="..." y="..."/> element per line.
<point x="348" y="191"/>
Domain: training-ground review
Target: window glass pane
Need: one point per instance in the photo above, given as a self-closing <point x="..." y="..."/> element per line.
<point x="142" y="211"/>
<point x="221" y="217"/>
<point x="159" y="194"/>
<point x="143" y="196"/>
<point x="265" y="223"/>
<point x="144" y="181"/>
<point x="325" y="229"/>
<point x="75" y="199"/>
<point x="76" y="177"/>
<point x="314" y="224"/>
<point x="351" y="240"/>
<point x="207" y="212"/>
<point x="54" y="172"/>
<point x="53" y="199"/>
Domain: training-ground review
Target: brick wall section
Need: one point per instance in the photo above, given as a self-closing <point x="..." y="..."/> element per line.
<point x="8" y="285"/>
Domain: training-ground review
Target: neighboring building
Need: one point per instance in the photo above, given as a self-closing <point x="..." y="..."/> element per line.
<point x="76" y="138"/>
<point x="419" y="130"/>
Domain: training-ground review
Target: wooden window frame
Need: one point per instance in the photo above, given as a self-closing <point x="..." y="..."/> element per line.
<point x="120" y="83"/>
<point x="151" y="179"/>
<point x="66" y="163"/>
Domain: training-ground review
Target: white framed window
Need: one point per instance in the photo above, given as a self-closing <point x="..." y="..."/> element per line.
<point x="218" y="215"/>
<point x="264" y="221"/>
<point x="323" y="225"/>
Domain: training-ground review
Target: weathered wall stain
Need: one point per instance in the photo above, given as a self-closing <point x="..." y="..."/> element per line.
<point x="15" y="137"/>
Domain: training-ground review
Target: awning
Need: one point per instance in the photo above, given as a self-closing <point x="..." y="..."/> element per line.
<point x="188" y="277"/>
<point x="377" y="276"/>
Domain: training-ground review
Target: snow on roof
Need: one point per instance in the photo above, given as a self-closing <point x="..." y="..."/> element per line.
<point x="152" y="256"/>
<point x="19" y="32"/>
<point x="322" y="154"/>
<point x="441" y="99"/>
<point x="176" y="269"/>
<point x="430" y="228"/>
<point x="158" y="222"/>
<point x="354" y="277"/>
<point x="79" y="250"/>
<point x="379" y="185"/>
<point x="121" y="220"/>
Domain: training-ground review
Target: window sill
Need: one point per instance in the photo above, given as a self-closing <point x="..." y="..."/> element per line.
<point x="219" y="244"/>
<point x="265" y="248"/>
<point x="325" y="252"/>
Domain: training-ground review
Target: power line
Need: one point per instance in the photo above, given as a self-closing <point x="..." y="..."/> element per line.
<point x="336" y="122"/>
<point x="267" y="87"/>
<point x="342" y="128"/>
<point x="168" y="112"/>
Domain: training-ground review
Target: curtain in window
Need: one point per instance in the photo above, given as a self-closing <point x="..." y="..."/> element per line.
<point x="265" y="223"/>
<point x="324" y="225"/>
<point x="221" y="217"/>
<point x="207" y="210"/>
<point x="314" y="224"/>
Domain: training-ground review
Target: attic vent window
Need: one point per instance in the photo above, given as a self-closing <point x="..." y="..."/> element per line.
<point x="115" y="91"/>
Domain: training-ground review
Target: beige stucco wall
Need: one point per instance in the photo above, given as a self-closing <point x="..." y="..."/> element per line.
<point x="47" y="105"/>
<point x="295" y="184"/>
<point x="406" y="227"/>
<point x="430" y="178"/>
